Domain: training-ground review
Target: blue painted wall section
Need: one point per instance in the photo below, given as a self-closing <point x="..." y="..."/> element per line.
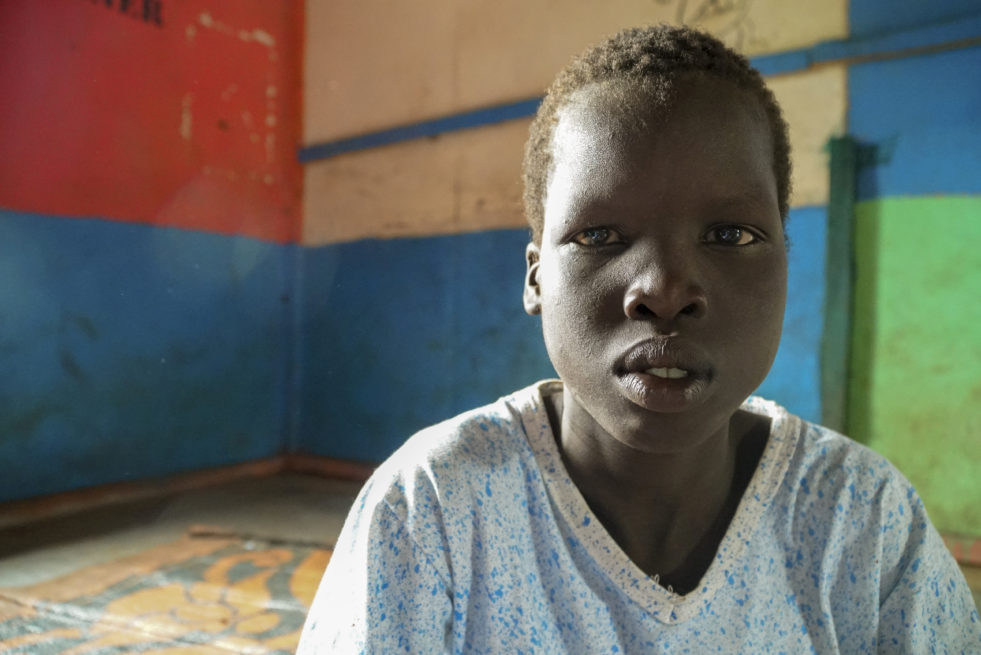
<point x="401" y="334"/>
<point x="130" y="351"/>
<point x="873" y="17"/>
<point x="923" y="115"/>
<point x="795" y="379"/>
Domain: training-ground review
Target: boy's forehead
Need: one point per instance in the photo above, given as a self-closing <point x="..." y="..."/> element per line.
<point x="607" y="129"/>
<point x="627" y="106"/>
<point x="618" y="106"/>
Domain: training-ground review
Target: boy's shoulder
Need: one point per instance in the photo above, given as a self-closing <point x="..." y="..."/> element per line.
<point x="831" y="456"/>
<point x="486" y="442"/>
<point x="812" y="447"/>
<point x="827" y="470"/>
<point x="486" y="434"/>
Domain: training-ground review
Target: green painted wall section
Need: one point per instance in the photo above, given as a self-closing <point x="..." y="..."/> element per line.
<point x="915" y="392"/>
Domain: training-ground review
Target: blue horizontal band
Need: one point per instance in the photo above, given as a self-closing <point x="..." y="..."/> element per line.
<point x="958" y="33"/>
<point x="452" y="123"/>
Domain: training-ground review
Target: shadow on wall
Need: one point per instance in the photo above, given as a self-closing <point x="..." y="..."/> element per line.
<point x="862" y="364"/>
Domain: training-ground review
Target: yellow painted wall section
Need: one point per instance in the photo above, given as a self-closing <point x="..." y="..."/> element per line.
<point x="814" y="104"/>
<point x="456" y="182"/>
<point x="372" y="67"/>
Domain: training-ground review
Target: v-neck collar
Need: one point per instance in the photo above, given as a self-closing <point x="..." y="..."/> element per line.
<point x="666" y="606"/>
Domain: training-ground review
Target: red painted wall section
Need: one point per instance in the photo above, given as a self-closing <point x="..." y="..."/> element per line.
<point x="179" y="113"/>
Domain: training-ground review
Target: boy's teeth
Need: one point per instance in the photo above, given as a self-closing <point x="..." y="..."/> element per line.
<point x="668" y="373"/>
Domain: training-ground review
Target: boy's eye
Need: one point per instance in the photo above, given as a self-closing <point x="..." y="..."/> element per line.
<point x="596" y="236"/>
<point x="731" y="235"/>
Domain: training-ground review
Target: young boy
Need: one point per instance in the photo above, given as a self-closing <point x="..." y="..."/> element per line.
<point x="641" y="503"/>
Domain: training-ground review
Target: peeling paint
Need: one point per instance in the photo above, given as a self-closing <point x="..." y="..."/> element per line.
<point x="186" y="118"/>
<point x="261" y="37"/>
<point x="270" y="147"/>
<point x="207" y="21"/>
<point x="270" y="120"/>
<point x="227" y="173"/>
<point x="177" y="79"/>
<point x="229" y="91"/>
<point x="268" y="179"/>
<point x="256" y="35"/>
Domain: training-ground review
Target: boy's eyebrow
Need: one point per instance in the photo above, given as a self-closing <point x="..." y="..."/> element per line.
<point x="752" y="195"/>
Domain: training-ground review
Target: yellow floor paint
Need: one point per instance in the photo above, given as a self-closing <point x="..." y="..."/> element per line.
<point x="197" y="595"/>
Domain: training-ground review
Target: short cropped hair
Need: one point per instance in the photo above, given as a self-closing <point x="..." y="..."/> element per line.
<point x="656" y="55"/>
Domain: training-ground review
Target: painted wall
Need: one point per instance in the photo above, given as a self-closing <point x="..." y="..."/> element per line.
<point x="877" y="17"/>
<point x="185" y="117"/>
<point x="133" y="352"/>
<point x="148" y="193"/>
<point x="916" y="387"/>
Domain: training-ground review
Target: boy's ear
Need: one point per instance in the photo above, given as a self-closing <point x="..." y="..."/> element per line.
<point x="533" y="293"/>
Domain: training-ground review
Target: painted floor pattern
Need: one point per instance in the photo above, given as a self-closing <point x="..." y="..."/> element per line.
<point x="207" y="593"/>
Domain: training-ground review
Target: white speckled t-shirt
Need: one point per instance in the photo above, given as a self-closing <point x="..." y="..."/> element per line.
<point x="473" y="539"/>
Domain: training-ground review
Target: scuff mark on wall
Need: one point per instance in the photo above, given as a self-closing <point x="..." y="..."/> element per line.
<point x="270" y="147"/>
<point x="206" y="20"/>
<point x="186" y="117"/>
<point x="271" y="120"/>
<point x="256" y="35"/>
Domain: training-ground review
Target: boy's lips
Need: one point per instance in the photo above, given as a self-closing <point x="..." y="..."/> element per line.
<point x="664" y="358"/>
<point x="663" y="375"/>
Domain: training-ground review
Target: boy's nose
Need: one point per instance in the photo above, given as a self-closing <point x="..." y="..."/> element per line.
<point x="661" y="293"/>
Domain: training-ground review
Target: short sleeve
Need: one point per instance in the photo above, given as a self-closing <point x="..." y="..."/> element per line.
<point x="380" y="593"/>
<point x="930" y="608"/>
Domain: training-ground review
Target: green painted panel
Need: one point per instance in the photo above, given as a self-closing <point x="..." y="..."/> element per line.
<point x="915" y="392"/>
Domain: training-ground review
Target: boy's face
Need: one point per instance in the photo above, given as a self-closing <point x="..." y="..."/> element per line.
<point x="661" y="276"/>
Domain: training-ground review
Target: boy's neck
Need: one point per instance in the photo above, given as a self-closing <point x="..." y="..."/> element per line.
<point x="668" y="513"/>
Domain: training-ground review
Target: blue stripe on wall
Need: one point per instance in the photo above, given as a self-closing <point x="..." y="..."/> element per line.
<point x="869" y="17"/>
<point x="131" y="351"/>
<point x="461" y="121"/>
<point x="923" y="115"/>
<point x="401" y="334"/>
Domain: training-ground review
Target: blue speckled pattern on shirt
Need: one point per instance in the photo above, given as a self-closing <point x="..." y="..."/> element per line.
<point x="473" y="539"/>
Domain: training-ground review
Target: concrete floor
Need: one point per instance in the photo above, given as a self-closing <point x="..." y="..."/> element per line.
<point x="288" y="507"/>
